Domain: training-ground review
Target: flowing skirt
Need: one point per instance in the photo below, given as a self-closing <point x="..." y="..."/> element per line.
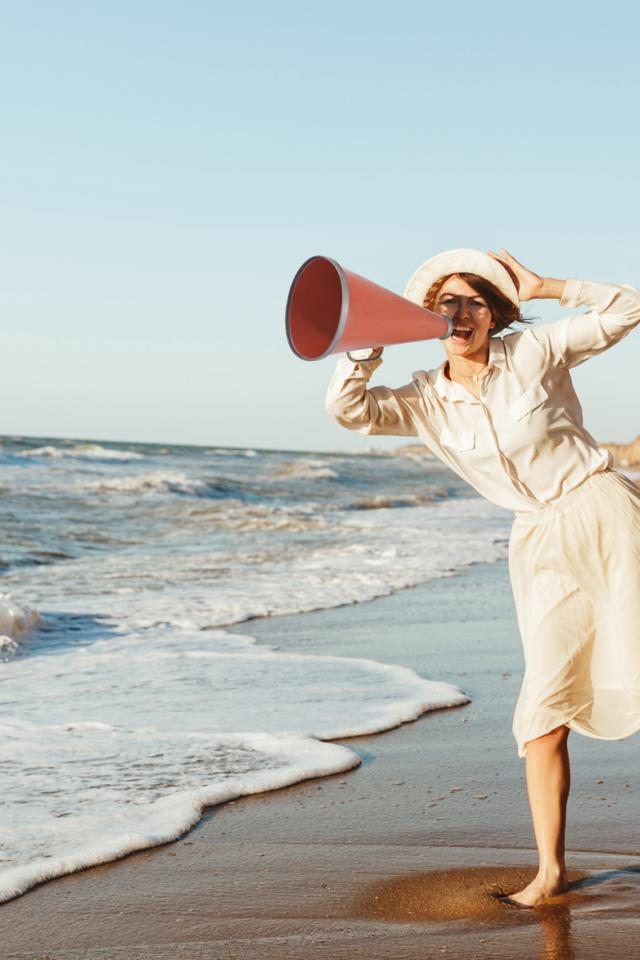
<point x="575" y="574"/>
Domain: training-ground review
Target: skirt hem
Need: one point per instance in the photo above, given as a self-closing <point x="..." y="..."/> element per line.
<point x="575" y="725"/>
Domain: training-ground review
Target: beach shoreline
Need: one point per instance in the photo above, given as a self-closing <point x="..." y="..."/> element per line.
<point x="396" y="858"/>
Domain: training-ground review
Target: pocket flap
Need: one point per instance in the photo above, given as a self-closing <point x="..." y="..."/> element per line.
<point x="532" y="397"/>
<point x="465" y="440"/>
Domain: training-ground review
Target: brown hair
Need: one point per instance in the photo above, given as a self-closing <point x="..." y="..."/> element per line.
<point x="503" y="311"/>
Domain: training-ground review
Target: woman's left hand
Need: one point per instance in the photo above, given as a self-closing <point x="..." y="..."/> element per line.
<point x="528" y="283"/>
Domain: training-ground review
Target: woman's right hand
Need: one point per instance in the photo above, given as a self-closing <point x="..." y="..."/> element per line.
<point x="528" y="284"/>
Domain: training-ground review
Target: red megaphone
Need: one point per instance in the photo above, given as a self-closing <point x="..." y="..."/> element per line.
<point x="332" y="310"/>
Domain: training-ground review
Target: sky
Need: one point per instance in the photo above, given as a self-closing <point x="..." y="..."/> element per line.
<point x="167" y="166"/>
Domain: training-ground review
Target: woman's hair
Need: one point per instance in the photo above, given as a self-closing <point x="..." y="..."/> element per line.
<point x="503" y="311"/>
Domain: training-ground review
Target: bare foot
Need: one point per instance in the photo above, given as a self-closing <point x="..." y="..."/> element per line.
<point x="543" y="885"/>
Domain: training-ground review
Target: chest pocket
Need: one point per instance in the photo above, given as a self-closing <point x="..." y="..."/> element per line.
<point x="533" y="397"/>
<point x="466" y="440"/>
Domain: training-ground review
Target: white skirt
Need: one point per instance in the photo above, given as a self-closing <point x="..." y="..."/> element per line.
<point x="575" y="575"/>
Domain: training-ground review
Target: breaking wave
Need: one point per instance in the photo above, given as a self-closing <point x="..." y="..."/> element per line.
<point x="82" y="451"/>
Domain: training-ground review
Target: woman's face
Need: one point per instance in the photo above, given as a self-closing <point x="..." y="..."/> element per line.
<point x="471" y="317"/>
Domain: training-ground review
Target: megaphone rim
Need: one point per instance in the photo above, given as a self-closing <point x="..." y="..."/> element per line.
<point x="344" y="307"/>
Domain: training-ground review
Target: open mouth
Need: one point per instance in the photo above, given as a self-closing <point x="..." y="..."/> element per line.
<point x="462" y="334"/>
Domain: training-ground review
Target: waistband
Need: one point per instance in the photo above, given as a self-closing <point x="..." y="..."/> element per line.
<point x="567" y="500"/>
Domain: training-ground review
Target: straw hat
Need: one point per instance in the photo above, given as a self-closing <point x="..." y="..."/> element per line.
<point x="462" y="260"/>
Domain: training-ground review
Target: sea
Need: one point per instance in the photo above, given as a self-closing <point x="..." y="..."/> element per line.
<point x="130" y="698"/>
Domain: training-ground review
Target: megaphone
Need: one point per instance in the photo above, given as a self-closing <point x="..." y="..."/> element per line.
<point x="332" y="310"/>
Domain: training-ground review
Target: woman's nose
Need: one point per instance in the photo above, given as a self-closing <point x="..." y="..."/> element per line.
<point x="462" y="310"/>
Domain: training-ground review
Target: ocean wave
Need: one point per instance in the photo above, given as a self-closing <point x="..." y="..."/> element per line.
<point x="307" y="470"/>
<point x="82" y="451"/>
<point x="173" y="481"/>
<point x="356" y="555"/>
<point x="102" y="757"/>
<point x="230" y="452"/>
<point x="260" y="518"/>
<point x="159" y="481"/>
<point x="100" y="724"/>
<point x="388" y="501"/>
<point x="33" y="558"/>
<point x="15" y="622"/>
<point x="139" y="825"/>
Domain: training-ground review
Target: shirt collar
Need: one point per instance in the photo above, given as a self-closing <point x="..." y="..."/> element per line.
<point x="455" y="391"/>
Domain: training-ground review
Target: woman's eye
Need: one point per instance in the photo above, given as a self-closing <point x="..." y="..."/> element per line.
<point x="451" y="302"/>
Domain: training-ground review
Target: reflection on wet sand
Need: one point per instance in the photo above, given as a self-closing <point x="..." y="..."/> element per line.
<point x="472" y="894"/>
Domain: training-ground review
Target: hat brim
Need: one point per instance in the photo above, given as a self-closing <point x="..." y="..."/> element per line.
<point x="462" y="260"/>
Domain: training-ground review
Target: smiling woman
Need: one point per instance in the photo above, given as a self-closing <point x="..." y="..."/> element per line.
<point x="502" y="412"/>
<point x="481" y="296"/>
<point x="478" y="310"/>
<point x="473" y="319"/>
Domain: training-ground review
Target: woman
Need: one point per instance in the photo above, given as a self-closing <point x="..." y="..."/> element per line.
<point x="503" y="414"/>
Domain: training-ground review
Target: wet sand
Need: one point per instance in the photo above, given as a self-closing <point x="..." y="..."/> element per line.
<point x="400" y="858"/>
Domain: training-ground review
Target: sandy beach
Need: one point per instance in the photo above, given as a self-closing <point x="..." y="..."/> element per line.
<point x="397" y="858"/>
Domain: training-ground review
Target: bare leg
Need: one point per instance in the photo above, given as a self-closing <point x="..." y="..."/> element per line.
<point x="548" y="782"/>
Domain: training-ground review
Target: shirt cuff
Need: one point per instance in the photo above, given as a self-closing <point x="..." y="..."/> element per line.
<point x="364" y="368"/>
<point x="368" y="353"/>
<point x="572" y="295"/>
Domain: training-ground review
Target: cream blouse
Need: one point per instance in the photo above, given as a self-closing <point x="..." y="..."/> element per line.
<point x="522" y="445"/>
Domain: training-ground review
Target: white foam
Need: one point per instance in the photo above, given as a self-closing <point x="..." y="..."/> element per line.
<point x="379" y="501"/>
<point x="254" y="517"/>
<point x="359" y="555"/>
<point x="118" y="829"/>
<point x="158" y="481"/>
<point x="304" y="469"/>
<point x="86" y="451"/>
<point x="230" y="452"/>
<point x="113" y="762"/>
<point x="15" y="621"/>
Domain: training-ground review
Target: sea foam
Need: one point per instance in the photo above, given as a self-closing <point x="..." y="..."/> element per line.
<point x="73" y="839"/>
<point x="82" y="451"/>
<point x="15" y="621"/>
<point x="353" y="557"/>
<point x="159" y="481"/>
<point x="257" y="720"/>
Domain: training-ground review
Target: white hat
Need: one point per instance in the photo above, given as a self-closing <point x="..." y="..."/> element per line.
<point x="461" y="260"/>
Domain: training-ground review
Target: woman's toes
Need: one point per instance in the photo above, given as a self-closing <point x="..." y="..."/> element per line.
<point x="511" y="902"/>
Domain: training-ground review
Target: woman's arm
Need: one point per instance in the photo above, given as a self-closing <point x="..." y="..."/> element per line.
<point x="379" y="410"/>
<point x="615" y="311"/>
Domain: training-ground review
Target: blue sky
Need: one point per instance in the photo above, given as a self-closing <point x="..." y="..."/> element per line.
<point x="167" y="166"/>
